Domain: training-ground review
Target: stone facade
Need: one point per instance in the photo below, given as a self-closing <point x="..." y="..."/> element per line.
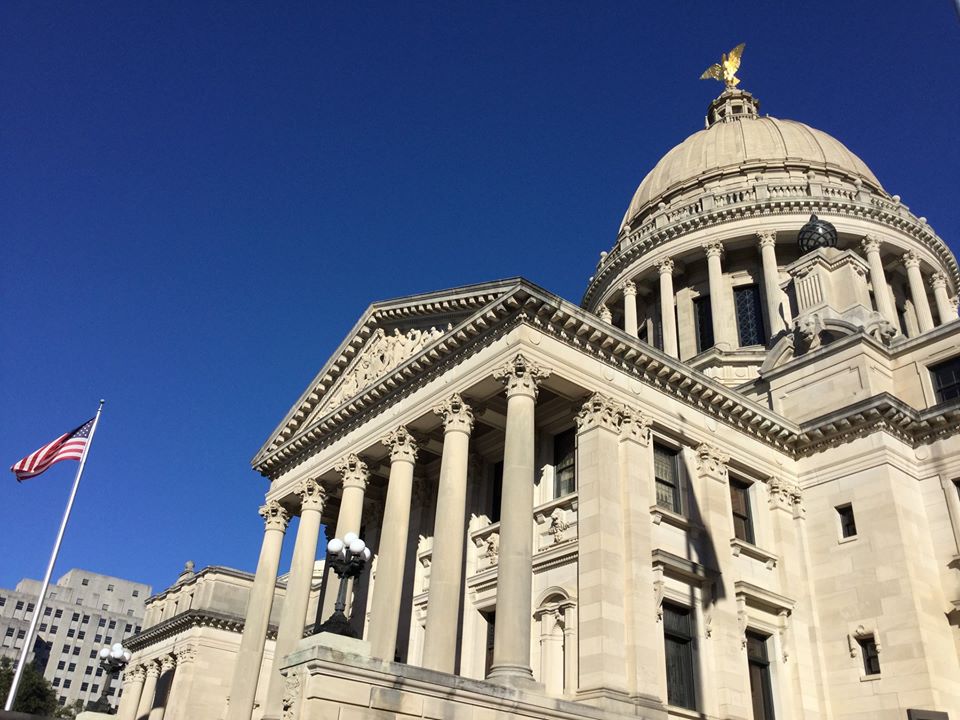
<point x="724" y="486"/>
<point x="84" y="612"/>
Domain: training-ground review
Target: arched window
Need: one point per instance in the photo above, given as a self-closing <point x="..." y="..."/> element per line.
<point x="556" y="616"/>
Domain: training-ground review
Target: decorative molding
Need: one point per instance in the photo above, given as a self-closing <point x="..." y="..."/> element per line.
<point x="630" y="288"/>
<point x="599" y="411"/>
<point x="604" y="314"/>
<point x="312" y="494"/>
<point x="457" y="415"/>
<point x="767" y="238"/>
<point x="403" y="446"/>
<point x="635" y="425"/>
<point x="275" y="516"/>
<point x="521" y="376"/>
<point x="167" y="663"/>
<point x="713" y="248"/>
<point x="665" y="266"/>
<point x="870" y="244"/>
<point x="186" y="654"/>
<point x="740" y="547"/>
<point x="910" y="259"/>
<point x="938" y="279"/>
<point x="353" y="471"/>
<point x="291" y="695"/>
<point x="785" y="494"/>
<point x="712" y="463"/>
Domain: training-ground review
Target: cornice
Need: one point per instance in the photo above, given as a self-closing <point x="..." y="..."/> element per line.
<point x="693" y="216"/>
<point x="186" y="620"/>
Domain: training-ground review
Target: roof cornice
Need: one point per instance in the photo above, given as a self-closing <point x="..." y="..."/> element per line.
<point x="186" y="620"/>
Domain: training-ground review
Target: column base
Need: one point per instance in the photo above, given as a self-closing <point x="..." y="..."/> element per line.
<point x="335" y="641"/>
<point x="518" y="677"/>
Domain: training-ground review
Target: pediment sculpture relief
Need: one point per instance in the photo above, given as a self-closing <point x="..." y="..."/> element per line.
<point x="381" y="355"/>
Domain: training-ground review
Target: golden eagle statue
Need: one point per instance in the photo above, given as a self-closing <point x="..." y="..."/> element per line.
<point x="726" y="69"/>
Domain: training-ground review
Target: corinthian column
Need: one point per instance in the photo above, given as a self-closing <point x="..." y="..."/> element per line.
<point x="246" y="672"/>
<point x="354" y="474"/>
<point x="294" y="616"/>
<point x="132" y="689"/>
<point x="881" y="291"/>
<point x="630" y="308"/>
<point x="767" y="240"/>
<point x="668" y="318"/>
<point x="918" y="293"/>
<point x="152" y="671"/>
<point x="511" y="640"/>
<point x="443" y="601"/>
<point x="391" y="560"/>
<point x="721" y="313"/>
<point x="168" y="665"/>
<point x="945" y="309"/>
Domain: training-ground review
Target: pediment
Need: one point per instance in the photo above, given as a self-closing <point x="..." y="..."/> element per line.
<point x="385" y="337"/>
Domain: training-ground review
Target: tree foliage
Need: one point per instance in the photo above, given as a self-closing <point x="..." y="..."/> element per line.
<point x="35" y="694"/>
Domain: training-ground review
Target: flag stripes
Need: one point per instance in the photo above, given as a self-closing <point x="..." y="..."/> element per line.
<point x="68" y="446"/>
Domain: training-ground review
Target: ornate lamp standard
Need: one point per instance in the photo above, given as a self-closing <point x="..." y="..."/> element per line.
<point x="347" y="557"/>
<point x="113" y="659"/>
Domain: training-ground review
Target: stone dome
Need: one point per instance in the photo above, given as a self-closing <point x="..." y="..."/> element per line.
<point x="744" y="144"/>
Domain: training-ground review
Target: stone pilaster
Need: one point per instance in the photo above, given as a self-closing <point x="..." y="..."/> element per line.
<point x="246" y="671"/>
<point x="449" y="536"/>
<point x="391" y="560"/>
<point x="767" y="241"/>
<point x="630" y="308"/>
<point x="668" y="316"/>
<point x="133" y="679"/>
<point x="918" y="291"/>
<point x="945" y="309"/>
<point x="178" y="701"/>
<point x="878" y="279"/>
<point x="294" y="617"/>
<point x="145" y="706"/>
<point x="511" y="644"/>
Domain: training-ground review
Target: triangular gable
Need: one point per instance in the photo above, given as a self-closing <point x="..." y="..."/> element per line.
<point x="387" y="335"/>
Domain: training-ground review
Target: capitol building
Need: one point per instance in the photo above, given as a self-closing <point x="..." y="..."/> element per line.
<point x="725" y="485"/>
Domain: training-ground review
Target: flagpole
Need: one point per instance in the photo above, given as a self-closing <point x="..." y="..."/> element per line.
<point x="38" y="609"/>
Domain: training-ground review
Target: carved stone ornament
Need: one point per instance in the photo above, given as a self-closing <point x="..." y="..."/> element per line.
<point x="911" y="259"/>
<point x="665" y="266"/>
<point x="938" y="280"/>
<point x="630" y="288"/>
<point x="457" y="415"/>
<point x="135" y="674"/>
<point x="870" y="243"/>
<point x="784" y="494"/>
<point x="275" y="516"/>
<point x="605" y="314"/>
<point x="152" y="668"/>
<point x="381" y="355"/>
<point x="767" y="238"/>
<point x="403" y="446"/>
<point x="312" y="495"/>
<point x="521" y="376"/>
<point x="353" y="470"/>
<point x="807" y="331"/>
<point x="635" y="425"/>
<point x="558" y="525"/>
<point x="713" y="249"/>
<point x="291" y="693"/>
<point x="712" y="463"/>
<point x="599" y="411"/>
<point x="186" y="654"/>
<point x="168" y="663"/>
<point x="491" y="548"/>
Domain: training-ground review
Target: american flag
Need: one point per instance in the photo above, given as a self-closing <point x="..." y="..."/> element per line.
<point x="68" y="446"/>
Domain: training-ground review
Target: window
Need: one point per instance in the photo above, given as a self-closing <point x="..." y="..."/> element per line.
<point x="76" y="650"/>
<point x="71" y="667"/>
<point x="946" y="379"/>
<point x="30" y="607"/>
<point x="66" y="649"/>
<point x="85" y="581"/>
<point x="19" y="605"/>
<point x="81" y="635"/>
<point x="93" y="654"/>
<point x="76" y="616"/>
<point x="54" y="628"/>
<point x="740" y="500"/>
<point x="112" y="625"/>
<point x="86" y="619"/>
<point x="136" y="593"/>
<point x="565" y="463"/>
<point x="56" y="682"/>
<point x="746" y="299"/>
<point x="98" y="638"/>
<point x="666" y="471"/>
<point x="104" y="607"/>
<point x="84" y="686"/>
<point x="3" y="601"/>
<point x="761" y="690"/>
<point x="138" y="628"/>
<point x="66" y="684"/>
<point x="79" y="602"/>
<point x="58" y="614"/>
<point x="61" y="665"/>
<point x="128" y="628"/>
<point x="9" y="632"/>
<point x="491" y="617"/>
<point x="89" y="670"/>
<point x="848" y="524"/>
<point x="870" y="655"/>
<point x="21" y="634"/>
<point x="109" y="588"/>
<point x="703" y="322"/>
<point x="99" y="672"/>
<point x="43" y="627"/>
<point x="47" y="611"/>
<point x="678" y="647"/>
<point x="70" y="632"/>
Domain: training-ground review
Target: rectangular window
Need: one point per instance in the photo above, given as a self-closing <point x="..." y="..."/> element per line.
<point x="58" y="614"/>
<point x="740" y="499"/>
<point x="81" y="635"/>
<point x="746" y="299"/>
<point x="76" y="616"/>
<point x="666" y="472"/>
<point x="98" y="639"/>
<point x="86" y="619"/>
<point x="870" y="655"/>
<point x="678" y="647"/>
<point x="848" y="524"/>
<point x="43" y="627"/>
<point x="70" y="632"/>
<point x="565" y="463"/>
<point x="54" y="628"/>
<point x="19" y="605"/>
<point x="109" y="588"/>
<point x="84" y="686"/>
<point x="71" y="667"/>
<point x="85" y="581"/>
<point x="703" y="322"/>
<point x="3" y="601"/>
<point x="30" y="607"/>
<point x="66" y="684"/>
<point x="761" y="688"/>
<point x="56" y="682"/>
<point x="61" y="665"/>
<point x="47" y="611"/>
<point x="89" y="670"/>
<point x="136" y="593"/>
<point x="946" y="379"/>
<point x="76" y="650"/>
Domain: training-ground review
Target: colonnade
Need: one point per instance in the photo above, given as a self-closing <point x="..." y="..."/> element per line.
<point x="153" y="687"/>
<point x="521" y="379"/>
<point x="722" y="315"/>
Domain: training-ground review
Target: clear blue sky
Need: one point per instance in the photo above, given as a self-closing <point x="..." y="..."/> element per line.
<point x="197" y="201"/>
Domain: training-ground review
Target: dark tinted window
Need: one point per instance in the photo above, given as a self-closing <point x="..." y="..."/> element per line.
<point x="946" y="379"/>
<point x="749" y="318"/>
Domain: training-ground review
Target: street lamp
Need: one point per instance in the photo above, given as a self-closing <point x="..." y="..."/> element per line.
<point x="347" y="557"/>
<point x="113" y="659"/>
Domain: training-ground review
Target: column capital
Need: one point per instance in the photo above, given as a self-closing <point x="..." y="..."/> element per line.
<point x="599" y="411"/>
<point x="870" y="243"/>
<point x="457" y="415"/>
<point x="938" y="279"/>
<point x="152" y="669"/>
<point x="635" y="425"/>
<point x="767" y="238"/>
<point x="911" y="259"/>
<point x="275" y="516"/>
<point x="135" y="674"/>
<point x="186" y="654"/>
<point x="713" y="248"/>
<point x="521" y="376"/>
<point x="353" y="471"/>
<point x="605" y="314"/>
<point x="665" y="266"/>
<point x="785" y="494"/>
<point x="403" y="446"/>
<point x="168" y="662"/>
<point x="312" y="495"/>
<point x="711" y="462"/>
<point x="629" y="288"/>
